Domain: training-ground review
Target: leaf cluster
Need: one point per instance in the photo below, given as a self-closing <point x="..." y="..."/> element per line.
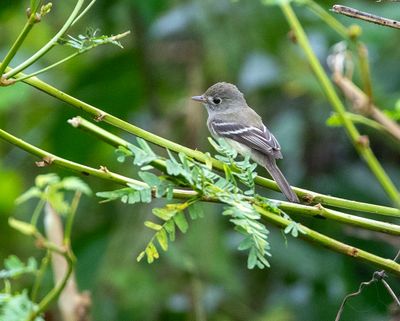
<point x="51" y="187"/>
<point x="14" y="267"/>
<point x="89" y="40"/>
<point x="235" y="188"/>
<point x="16" y="306"/>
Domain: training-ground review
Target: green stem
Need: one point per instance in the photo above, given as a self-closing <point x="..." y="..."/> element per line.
<point x="360" y="119"/>
<point x="274" y="218"/>
<point x="49" y="159"/>
<point x="39" y="277"/>
<point x="47" y="46"/>
<point x="332" y="244"/>
<point x="80" y="52"/>
<point x="357" y="118"/>
<point x="37" y="211"/>
<point x="319" y="211"/>
<point x="55" y="292"/>
<point x="362" y="149"/>
<point x="364" y="69"/>
<point x="328" y="18"/>
<point x="84" y="11"/>
<point x="48" y="67"/>
<point x="70" y="218"/>
<point x="17" y="44"/>
<point x="116" y="141"/>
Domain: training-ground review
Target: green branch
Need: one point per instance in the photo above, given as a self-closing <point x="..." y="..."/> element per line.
<point x="277" y="220"/>
<point x="319" y="211"/>
<point x="362" y="53"/>
<point x="56" y="291"/>
<point x="84" y="11"/>
<point x="19" y="41"/>
<point x="307" y="196"/>
<point x="48" y="45"/>
<point x="362" y="148"/>
<point x="331" y="21"/>
<point x="75" y="54"/>
<point x="332" y="244"/>
<point x="49" y="159"/>
<point x="116" y="141"/>
<point x="310" y="211"/>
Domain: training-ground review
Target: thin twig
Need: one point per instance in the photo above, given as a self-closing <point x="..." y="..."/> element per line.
<point x="84" y="11"/>
<point x="73" y="305"/>
<point x="75" y="54"/>
<point x="391" y="292"/>
<point x="40" y="275"/>
<point x="328" y="18"/>
<point x="354" y="13"/>
<point x="71" y="217"/>
<point x="377" y="276"/>
<point x="348" y="296"/>
<point x="361" y="104"/>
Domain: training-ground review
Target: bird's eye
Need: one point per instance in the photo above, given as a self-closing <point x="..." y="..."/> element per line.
<point x="216" y="100"/>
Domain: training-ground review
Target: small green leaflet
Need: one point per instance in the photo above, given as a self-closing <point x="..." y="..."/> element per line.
<point x="14" y="267"/>
<point x="172" y="215"/>
<point x="18" y="307"/>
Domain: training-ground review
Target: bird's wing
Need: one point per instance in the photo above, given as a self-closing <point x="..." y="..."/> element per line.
<point x="256" y="138"/>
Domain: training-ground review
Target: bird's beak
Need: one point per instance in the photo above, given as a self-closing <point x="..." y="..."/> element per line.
<point x="201" y="98"/>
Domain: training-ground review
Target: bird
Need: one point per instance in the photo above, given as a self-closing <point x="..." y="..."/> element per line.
<point x="230" y="118"/>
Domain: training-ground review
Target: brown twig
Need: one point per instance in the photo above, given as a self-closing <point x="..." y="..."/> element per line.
<point x="354" y="13"/>
<point x="73" y="304"/>
<point x="362" y="104"/>
<point x="377" y="276"/>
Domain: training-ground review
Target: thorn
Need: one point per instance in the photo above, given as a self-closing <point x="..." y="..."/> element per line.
<point x="104" y="169"/>
<point x="4" y="82"/>
<point x="46" y="161"/>
<point x="38" y="18"/>
<point x="353" y="252"/>
<point x="379" y="275"/>
<point x="319" y="206"/>
<point x="100" y="117"/>
<point x="39" y="244"/>
<point x="363" y="141"/>
<point x="307" y="198"/>
<point x="292" y="36"/>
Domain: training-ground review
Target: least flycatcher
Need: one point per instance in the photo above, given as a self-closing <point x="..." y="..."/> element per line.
<point x="230" y="117"/>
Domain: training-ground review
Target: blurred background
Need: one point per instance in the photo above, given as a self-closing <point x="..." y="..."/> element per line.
<point x="177" y="49"/>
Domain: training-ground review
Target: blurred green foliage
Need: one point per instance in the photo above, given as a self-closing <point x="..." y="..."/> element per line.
<point x="176" y="50"/>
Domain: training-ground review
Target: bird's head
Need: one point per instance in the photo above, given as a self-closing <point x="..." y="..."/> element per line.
<point x="221" y="97"/>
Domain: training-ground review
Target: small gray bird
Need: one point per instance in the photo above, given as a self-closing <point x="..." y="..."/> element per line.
<point x="230" y="117"/>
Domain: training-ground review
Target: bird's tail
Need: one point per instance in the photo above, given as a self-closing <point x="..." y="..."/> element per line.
<point x="278" y="177"/>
